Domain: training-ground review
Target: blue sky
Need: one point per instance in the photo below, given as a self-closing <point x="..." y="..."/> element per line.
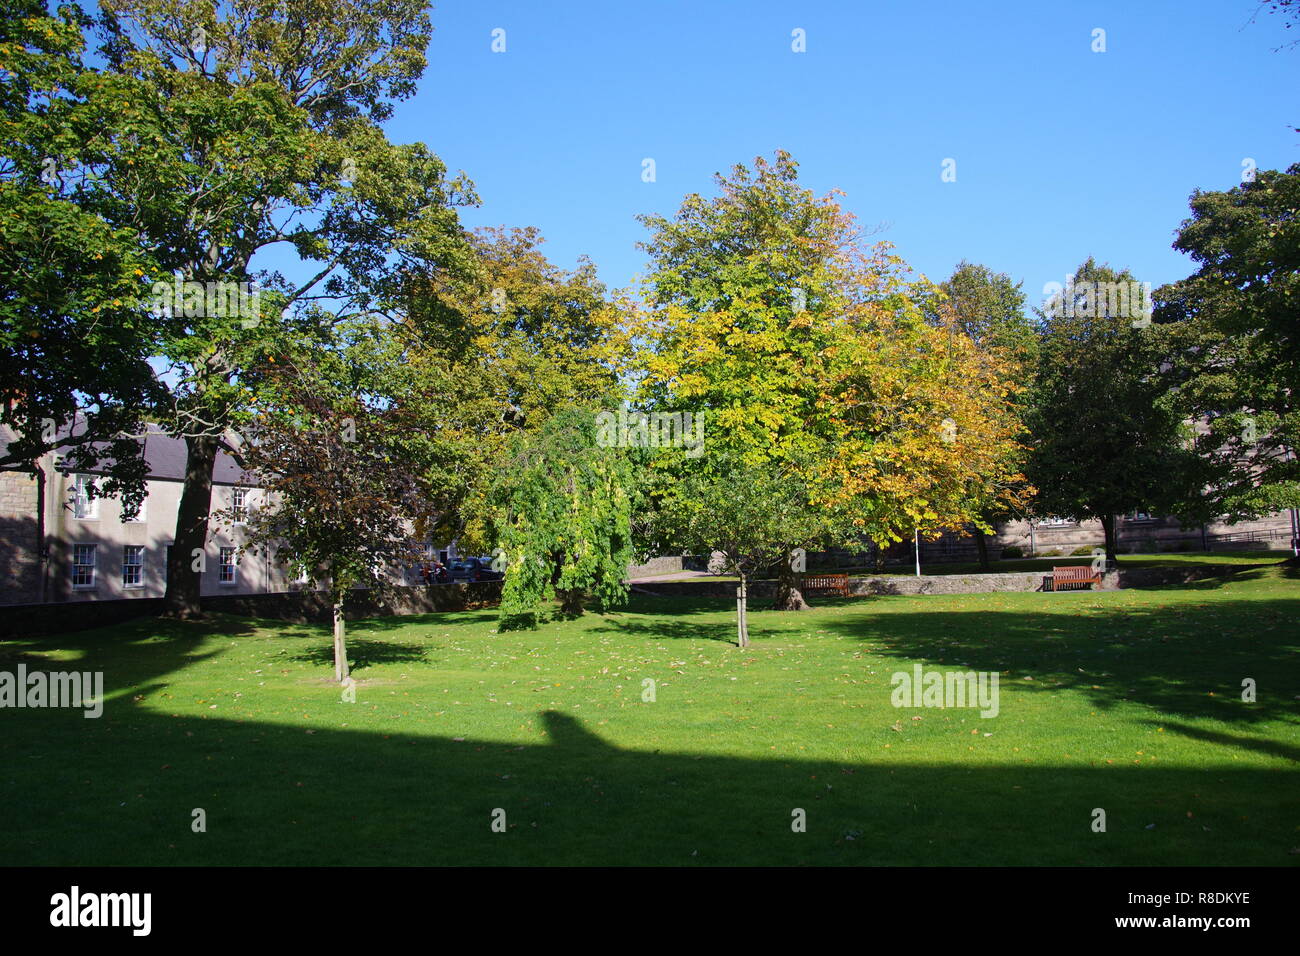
<point x="1060" y="152"/>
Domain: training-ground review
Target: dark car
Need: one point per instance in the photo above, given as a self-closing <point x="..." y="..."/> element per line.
<point x="475" y="569"/>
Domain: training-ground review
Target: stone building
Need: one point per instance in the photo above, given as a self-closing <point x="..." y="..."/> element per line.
<point x="59" y="543"/>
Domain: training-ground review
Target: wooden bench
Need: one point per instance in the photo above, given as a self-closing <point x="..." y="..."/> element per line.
<point x="1075" y="576"/>
<point x="836" y="583"/>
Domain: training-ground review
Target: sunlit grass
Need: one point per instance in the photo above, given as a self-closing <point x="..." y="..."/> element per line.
<point x="1129" y="701"/>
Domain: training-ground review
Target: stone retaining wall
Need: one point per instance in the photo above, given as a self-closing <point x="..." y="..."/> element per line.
<point x="955" y="583"/>
<point x="296" y="606"/>
<point x="313" y="606"/>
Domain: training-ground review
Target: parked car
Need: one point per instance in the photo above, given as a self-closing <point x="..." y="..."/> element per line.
<point x="475" y="569"/>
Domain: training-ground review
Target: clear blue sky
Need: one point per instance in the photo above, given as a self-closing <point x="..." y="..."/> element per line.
<point x="1061" y="152"/>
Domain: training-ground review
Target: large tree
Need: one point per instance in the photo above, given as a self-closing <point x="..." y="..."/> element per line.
<point x="1235" y="341"/>
<point x="225" y="130"/>
<point x="806" y="350"/>
<point x="492" y="353"/>
<point x="1106" y="436"/>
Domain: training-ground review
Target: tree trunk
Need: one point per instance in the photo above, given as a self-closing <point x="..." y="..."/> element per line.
<point x="788" y="596"/>
<point x="1108" y="526"/>
<point x="191" y="538"/>
<point x="572" y="601"/>
<point x="340" y="648"/>
<point x="742" y="624"/>
<point x="982" y="546"/>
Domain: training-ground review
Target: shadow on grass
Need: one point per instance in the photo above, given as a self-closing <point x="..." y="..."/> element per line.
<point x="139" y="652"/>
<point x="363" y="653"/>
<point x="1184" y="659"/>
<point x="1263" y="745"/>
<point x="121" y="790"/>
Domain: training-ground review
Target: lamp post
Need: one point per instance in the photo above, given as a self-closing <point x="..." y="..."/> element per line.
<point x="916" y="548"/>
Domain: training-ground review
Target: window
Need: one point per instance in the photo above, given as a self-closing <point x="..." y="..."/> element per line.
<point x="1138" y="516"/>
<point x="139" y="514"/>
<point x="229" y="571"/>
<point x="133" y="566"/>
<point x="83" y="566"/>
<point x="239" y="504"/>
<point x="1052" y="521"/>
<point x="84" y="506"/>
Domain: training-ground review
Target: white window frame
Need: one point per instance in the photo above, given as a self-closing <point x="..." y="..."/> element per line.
<point x="84" y="502"/>
<point x="127" y="551"/>
<point x="239" y="505"/>
<point x="89" y="584"/>
<point x="1139" y="516"/>
<point x="232" y="567"/>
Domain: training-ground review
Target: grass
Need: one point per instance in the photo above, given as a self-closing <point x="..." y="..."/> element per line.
<point x="1129" y="701"/>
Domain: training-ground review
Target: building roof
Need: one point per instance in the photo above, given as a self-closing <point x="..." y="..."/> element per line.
<point x="164" y="454"/>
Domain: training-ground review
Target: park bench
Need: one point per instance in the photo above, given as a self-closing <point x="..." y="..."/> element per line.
<point x="836" y="583"/>
<point x="1075" y="576"/>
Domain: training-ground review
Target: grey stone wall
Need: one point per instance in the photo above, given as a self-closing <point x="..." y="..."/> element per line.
<point x="951" y="583"/>
<point x="664" y="565"/>
<point x="20" y="566"/>
<point x="296" y="606"/>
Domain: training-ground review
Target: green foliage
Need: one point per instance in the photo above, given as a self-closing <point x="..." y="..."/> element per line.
<point x="1106" y="437"/>
<point x="74" y="342"/>
<point x="1235" y="344"/>
<point x="1013" y="551"/>
<point x="990" y="308"/>
<point x="215" y="132"/>
<point x="563" y="514"/>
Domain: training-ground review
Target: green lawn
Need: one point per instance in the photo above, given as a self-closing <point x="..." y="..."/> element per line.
<point x="1128" y="701"/>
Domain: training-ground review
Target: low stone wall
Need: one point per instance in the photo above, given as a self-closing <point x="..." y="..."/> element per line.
<point x="664" y="565"/>
<point x="884" y="584"/>
<point x="297" y="606"/>
<point x="955" y="583"/>
<point x="28" y="620"/>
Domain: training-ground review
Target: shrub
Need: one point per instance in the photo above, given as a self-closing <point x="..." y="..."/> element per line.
<point x="1013" y="551"/>
<point x="1054" y="553"/>
<point x="1083" y="551"/>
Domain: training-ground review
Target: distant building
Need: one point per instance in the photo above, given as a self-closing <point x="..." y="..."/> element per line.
<point x="57" y="543"/>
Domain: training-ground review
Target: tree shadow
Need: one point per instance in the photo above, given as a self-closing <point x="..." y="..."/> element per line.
<point x="1187" y="660"/>
<point x="122" y="791"/>
<point x="1258" y="744"/>
<point x="363" y="653"/>
<point x="137" y="653"/>
<point x="670" y="630"/>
